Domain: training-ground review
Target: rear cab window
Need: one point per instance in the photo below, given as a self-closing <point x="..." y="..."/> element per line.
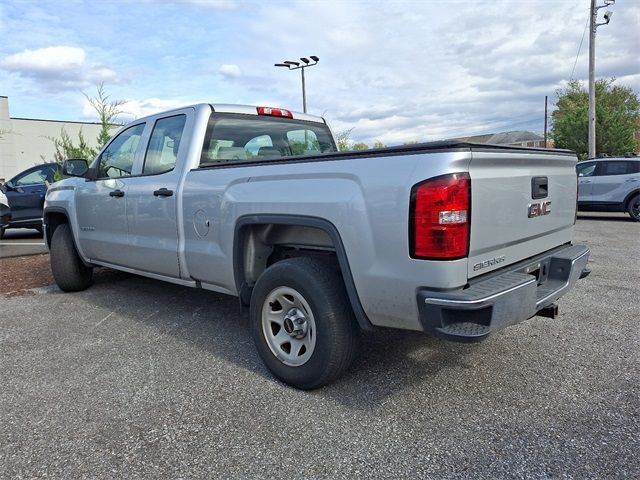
<point x="248" y="138"/>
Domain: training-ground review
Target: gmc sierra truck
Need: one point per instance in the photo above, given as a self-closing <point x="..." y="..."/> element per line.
<point x="454" y="239"/>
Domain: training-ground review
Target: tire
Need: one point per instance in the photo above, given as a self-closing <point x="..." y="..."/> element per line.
<point x="70" y="274"/>
<point x="633" y="209"/>
<point x="319" y="305"/>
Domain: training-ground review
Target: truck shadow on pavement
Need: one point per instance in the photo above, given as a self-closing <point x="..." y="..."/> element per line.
<point x="389" y="361"/>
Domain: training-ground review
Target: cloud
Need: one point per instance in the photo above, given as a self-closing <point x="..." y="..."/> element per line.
<point x="132" y="109"/>
<point x="397" y="72"/>
<point x="208" y="4"/>
<point x="230" y="71"/>
<point x="49" y="60"/>
<point x="59" y="68"/>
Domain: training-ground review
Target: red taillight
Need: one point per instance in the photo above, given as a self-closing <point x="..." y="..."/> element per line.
<point x="274" y="112"/>
<point x="440" y="217"/>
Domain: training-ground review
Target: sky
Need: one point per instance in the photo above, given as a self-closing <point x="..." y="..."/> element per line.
<point x="393" y="71"/>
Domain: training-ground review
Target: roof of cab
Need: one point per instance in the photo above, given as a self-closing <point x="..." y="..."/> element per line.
<point x="252" y="110"/>
<point x="231" y="108"/>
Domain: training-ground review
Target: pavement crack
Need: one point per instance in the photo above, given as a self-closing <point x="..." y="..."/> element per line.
<point x="98" y="324"/>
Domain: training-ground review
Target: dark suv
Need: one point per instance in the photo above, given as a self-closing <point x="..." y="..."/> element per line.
<point x="25" y="193"/>
<point x="610" y="185"/>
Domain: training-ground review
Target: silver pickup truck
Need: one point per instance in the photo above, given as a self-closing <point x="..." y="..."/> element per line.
<point x="453" y="239"/>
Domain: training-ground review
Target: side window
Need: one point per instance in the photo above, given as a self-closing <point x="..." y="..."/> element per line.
<point x="586" y="169"/>
<point x="36" y="177"/>
<point x="117" y="160"/>
<point x="635" y="166"/>
<point x="613" y="168"/>
<point x="162" y="151"/>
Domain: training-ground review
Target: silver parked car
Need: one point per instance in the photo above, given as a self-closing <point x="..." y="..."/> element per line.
<point x="610" y="185"/>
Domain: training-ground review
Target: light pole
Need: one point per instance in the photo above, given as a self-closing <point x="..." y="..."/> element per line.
<point x="592" y="65"/>
<point x="297" y="65"/>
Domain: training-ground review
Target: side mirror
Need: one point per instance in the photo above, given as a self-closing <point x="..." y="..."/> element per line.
<point x="75" y="167"/>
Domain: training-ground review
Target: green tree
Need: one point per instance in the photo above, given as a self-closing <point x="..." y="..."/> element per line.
<point x="342" y="138"/>
<point x="108" y="111"/>
<point x="65" y="147"/>
<point x="379" y="144"/>
<point x="617" y="114"/>
<point x="359" y="146"/>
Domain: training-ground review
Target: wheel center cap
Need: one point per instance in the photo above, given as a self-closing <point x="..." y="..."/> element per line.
<point x="288" y="325"/>
<point x="295" y="323"/>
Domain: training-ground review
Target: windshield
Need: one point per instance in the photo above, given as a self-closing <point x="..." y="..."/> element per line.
<point x="246" y="138"/>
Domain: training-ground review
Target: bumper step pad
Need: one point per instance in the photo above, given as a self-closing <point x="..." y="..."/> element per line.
<point x="501" y="300"/>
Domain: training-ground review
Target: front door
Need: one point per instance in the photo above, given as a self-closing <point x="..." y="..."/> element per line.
<point x="152" y="200"/>
<point x="101" y="203"/>
<point x="26" y="194"/>
<point x="585" y="180"/>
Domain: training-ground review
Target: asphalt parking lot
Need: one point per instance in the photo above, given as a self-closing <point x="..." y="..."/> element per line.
<point x="21" y="241"/>
<point x="134" y="377"/>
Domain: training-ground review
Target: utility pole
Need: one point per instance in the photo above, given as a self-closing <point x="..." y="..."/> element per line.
<point x="592" y="82"/>
<point x="545" y="121"/>
<point x="291" y="65"/>
<point x="593" y="26"/>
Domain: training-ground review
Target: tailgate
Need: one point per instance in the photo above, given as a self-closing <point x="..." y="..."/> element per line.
<point x="507" y="223"/>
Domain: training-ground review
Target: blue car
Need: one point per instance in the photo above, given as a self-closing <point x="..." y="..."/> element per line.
<point x="25" y="194"/>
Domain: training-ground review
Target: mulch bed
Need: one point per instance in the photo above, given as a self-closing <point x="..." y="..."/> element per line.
<point x="20" y="274"/>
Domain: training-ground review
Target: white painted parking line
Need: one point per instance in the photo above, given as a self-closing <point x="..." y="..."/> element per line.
<point x="19" y="243"/>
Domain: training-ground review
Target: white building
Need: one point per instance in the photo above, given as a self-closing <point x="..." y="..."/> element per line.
<point x="25" y="142"/>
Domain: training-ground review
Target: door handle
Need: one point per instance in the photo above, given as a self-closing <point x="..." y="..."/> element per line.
<point x="163" y="192"/>
<point x="116" y="193"/>
<point x="632" y="180"/>
<point x="582" y="182"/>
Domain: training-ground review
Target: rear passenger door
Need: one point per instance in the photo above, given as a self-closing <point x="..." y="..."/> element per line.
<point x="610" y="181"/>
<point x="152" y="197"/>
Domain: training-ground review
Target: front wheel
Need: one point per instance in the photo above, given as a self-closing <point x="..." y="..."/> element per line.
<point x="69" y="272"/>
<point x="634" y="208"/>
<point x="302" y="323"/>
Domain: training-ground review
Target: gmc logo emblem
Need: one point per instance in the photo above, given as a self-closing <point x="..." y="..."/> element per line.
<point x="539" y="209"/>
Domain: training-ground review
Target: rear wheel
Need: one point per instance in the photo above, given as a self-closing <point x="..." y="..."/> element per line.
<point x="634" y="208"/>
<point x="70" y="274"/>
<point x="302" y="322"/>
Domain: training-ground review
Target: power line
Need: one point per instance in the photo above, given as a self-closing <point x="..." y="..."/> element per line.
<point x="579" y="48"/>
